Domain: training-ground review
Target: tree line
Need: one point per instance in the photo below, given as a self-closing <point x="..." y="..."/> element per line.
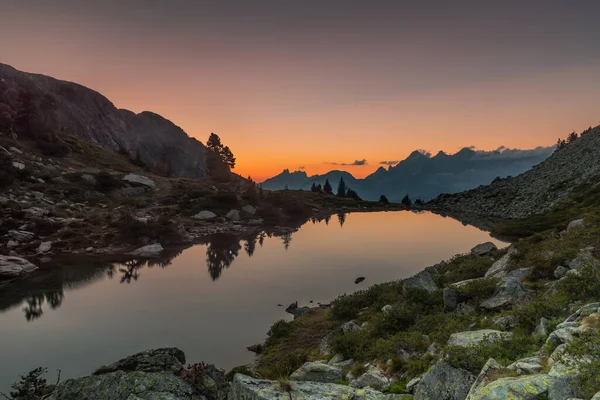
<point x="342" y="190"/>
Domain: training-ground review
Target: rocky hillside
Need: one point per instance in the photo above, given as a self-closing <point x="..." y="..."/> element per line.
<point x="51" y="108"/>
<point x="533" y="192"/>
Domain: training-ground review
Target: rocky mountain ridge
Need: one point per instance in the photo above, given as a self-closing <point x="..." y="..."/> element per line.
<point x="533" y="192"/>
<point x="59" y="107"/>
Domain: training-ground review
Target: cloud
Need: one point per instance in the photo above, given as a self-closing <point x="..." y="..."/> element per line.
<point x="355" y="163"/>
<point x="388" y="162"/>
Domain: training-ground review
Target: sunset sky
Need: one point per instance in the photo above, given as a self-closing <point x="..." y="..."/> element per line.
<point x="306" y="83"/>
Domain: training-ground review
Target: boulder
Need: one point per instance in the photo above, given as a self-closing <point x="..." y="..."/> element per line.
<point x="575" y="224"/>
<point x="529" y="387"/>
<point x="506" y="322"/>
<point x="317" y="372"/>
<point x="11" y="244"/>
<point x="89" y="178"/>
<point x="483" y="248"/>
<point x="245" y="388"/>
<point x="233" y="215"/>
<point x="596" y="396"/>
<point x="151" y="250"/>
<point x="560" y="271"/>
<point x="350" y="326"/>
<point x="444" y="382"/>
<point x="509" y="292"/>
<point x="387" y="309"/>
<point x="325" y="345"/>
<point x="21" y="236"/>
<point x="412" y="384"/>
<point x="205" y="214"/>
<point x="18" y="165"/>
<point x="542" y="327"/>
<point x="498" y="269"/>
<point x="422" y="281"/>
<point x="159" y="360"/>
<point x="484" y="377"/>
<point x="256" y="222"/>
<point x="36" y="212"/>
<point x="450" y="296"/>
<point x="472" y="338"/>
<point x="44" y="247"/>
<point x="250" y="210"/>
<point x="584" y="257"/>
<point x="339" y="357"/>
<point x="530" y="365"/>
<point x="15" y="267"/>
<point x="373" y="378"/>
<point x="140" y="180"/>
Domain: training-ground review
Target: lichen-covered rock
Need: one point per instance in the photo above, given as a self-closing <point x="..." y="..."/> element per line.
<point x="530" y="387"/>
<point x="444" y="382"/>
<point x="373" y="378"/>
<point x="483" y="248"/>
<point x="246" y="388"/>
<point x="472" y="338"/>
<point x="498" y="269"/>
<point x="15" y="267"/>
<point x="584" y="257"/>
<point x="387" y="309"/>
<point x="120" y="385"/>
<point x="484" y="377"/>
<point x="159" y="360"/>
<point x="422" y="281"/>
<point x="317" y="372"/>
<point x="509" y="292"/>
<point x="350" y="326"/>
<point x="541" y="328"/>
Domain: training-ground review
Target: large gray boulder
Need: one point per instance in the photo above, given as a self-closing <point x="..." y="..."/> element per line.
<point x="498" y="269"/>
<point x="151" y="250"/>
<point x="584" y="257"/>
<point x="530" y="387"/>
<point x="202" y="215"/>
<point x="509" y="292"/>
<point x="483" y="248"/>
<point x="15" y="267"/>
<point x="484" y="377"/>
<point x="423" y="281"/>
<point x="248" y="209"/>
<point x="169" y="359"/>
<point x="575" y="224"/>
<point x="473" y="338"/>
<point x="450" y="296"/>
<point x="140" y="180"/>
<point x="233" y="215"/>
<point x="317" y="372"/>
<point x="444" y="382"/>
<point x="245" y="388"/>
<point x="373" y="378"/>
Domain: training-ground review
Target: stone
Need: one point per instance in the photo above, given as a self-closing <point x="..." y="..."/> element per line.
<point x="18" y="165"/>
<point x="233" y="215"/>
<point x="529" y="387"/>
<point x="483" y="248"/>
<point x="421" y="281"/>
<point x="498" y="269"/>
<point x="560" y="271"/>
<point x="205" y="214"/>
<point x="506" y="322"/>
<point x="584" y="257"/>
<point x="596" y="396"/>
<point x="245" y="388"/>
<point x="44" y="247"/>
<point x="412" y="384"/>
<point x="325" y="345"/>
<point x="458" y="285"/>
<point x="140" y="180"/>
<point x="89" y="178"/>
<point x="11" y="244"/>
<point x="350" y="326"/>
<point x="509" y="292"/>
<point x="21" y="235"/>
<point x="250" y="210"/>
<point x="521" y="274"/>
<point x="528" y="365"/>
<point x="484" y="377"/>
<point x="444" y="382"/>
<point x="15" y="267"/>
<point x="336" y="359"/>
<point x="472" y="338"/>
<point x="169" y="359"/>
<point x="59" y="180"/>
<point x="317" y="372"/>
<point x="387" y="309"/>
<point x="561" y="335"/>
<point x="450" y="296"/>
<point x="575" y="224"/>
<point x="373" y="378"/>
<point x="256" y="222"/>
<point x="151" y="250"/>
<point x="541" y="328"/>
<point x="36" y="212"/>
<point x="14" y="150"/>
<point x="300" y="311"/>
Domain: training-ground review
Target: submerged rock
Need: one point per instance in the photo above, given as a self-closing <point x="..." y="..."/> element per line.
<point x="15" y="267"/>
<point x="317" y="372"/>
<point x="444" y="382"/>
<point x="151" y="250"/>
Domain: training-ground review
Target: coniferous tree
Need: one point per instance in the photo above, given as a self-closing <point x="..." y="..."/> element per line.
<point x="313" y="188"/>
<point x="383" y="199"/>
<point x="351" y="193"/>
<point x="406" y="201"/>
<point x="572" y="137"/>
<point x="341" y="190"/>
<point x="327" y="187"/>
<point x="214" y="144"/>
<point x="319" y="188"/>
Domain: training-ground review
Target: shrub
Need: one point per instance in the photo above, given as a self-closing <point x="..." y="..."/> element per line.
<point x="279" y="330"/>
<point x="582" y="286"/>
<point x="463" y="267"/>
<point x="106" y="182"/>
<point x="479" y="289"/>
<point x="587" y="347"/>
<point x="32" y="386"/>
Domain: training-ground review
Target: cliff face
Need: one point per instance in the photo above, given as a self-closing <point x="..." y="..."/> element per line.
<point x="533" y="192"/>
<point x="67" y="107"/>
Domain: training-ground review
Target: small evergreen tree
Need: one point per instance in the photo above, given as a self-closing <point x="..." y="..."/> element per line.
<point x="406" y="201"/>
<point x="383" y="199"/>
<point x="327" y="187"/>
<point x="341" y="190"/>
<point x="319" y="188"/>
<point x="286" y="187"/>
<point x="560" y="144"/>
<point x="351" y="193"/>
<point x="572" y="137"/>
<point x="228" y="158"/>
<point x="313" y="188"/>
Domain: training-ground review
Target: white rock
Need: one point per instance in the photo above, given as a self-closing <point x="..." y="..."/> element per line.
<point x="578" y="223"/>
<point x="205" y="215"/>
<point x="11" y="244"/>
<point x="387" y="309"/>
<point x="18" y="165"/>
<point x="141" y="180"/>
<point x="44" y="247"/>
<point x="14" y="150"/>
<point x="14" y="267"/>
<point x="151" y="250"/>
<point x="350" y="326"/>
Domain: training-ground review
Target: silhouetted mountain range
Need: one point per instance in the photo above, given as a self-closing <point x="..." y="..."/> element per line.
<point x="424" y="176"/>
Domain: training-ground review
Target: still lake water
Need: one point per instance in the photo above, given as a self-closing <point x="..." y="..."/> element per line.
<point x="214" y="299"/>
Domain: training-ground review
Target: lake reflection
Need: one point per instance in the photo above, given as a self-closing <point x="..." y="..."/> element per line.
<point x="213" y="299"/>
